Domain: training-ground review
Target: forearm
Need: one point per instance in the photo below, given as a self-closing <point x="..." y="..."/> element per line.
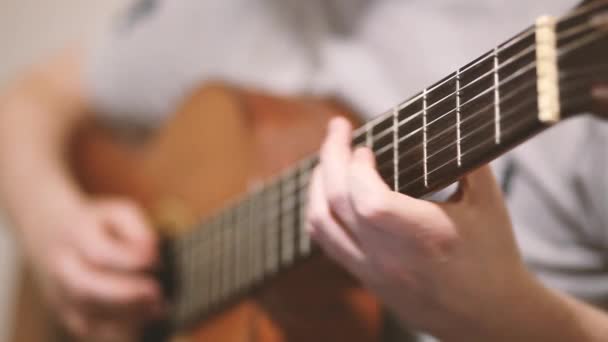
<point x="535" y="313"/>
<point x="37" y="115"/>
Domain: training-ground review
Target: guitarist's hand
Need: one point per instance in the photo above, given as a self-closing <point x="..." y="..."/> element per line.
<point x="94" y="261"/>
<point x="444" y="268"/>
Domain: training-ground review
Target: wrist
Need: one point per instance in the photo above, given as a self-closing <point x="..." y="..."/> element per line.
<point x="31" y="205"/>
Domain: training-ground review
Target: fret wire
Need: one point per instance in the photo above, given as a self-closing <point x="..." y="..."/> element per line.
<point x="272" y="231"/>
<point x="216" y="273"/>
<point x="233" y="240"/>
<point x="261" y="232"/>
<point x="286" y="228"/>
<point x="496" y="98"/>
<point x="186" y="264"/>
<point x="295" y="212"/>
<point x="246" y="255"/>
<point x="424" y="139"/>
<point x="458" y="118"/>
<point x="228" y="244"/>
<point x="303" y="182"/>
<point x="226" y="229"/>
<point x="395" y="148"/>
<point x="255" y="242"/>
<point x="239" y="245"/>
<point x="196" y="274"/>
<point x="252" y="240"/>
<point x="205" y="248"/>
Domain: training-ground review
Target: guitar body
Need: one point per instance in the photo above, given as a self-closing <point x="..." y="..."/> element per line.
<point x="218" y="145"/>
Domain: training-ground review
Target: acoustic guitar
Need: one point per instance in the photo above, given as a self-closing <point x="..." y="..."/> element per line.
<point x="225" y="182"/>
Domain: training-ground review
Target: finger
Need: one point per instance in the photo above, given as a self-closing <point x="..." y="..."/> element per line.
<point x="393" y="220"/>
<point x="326" y="230"/>
<point x="111" y="294"/>
<point x="130" y="226"/>
<point x="125" y="228"/>
<point x="372" y="199"/>
<point x="335" y="160"/>
<point x="97" y="246"/>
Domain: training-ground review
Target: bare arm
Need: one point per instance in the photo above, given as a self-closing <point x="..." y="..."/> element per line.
<point x="37" y="114"/>
<point x="451" y="269"/>
<point x="91" y="256"/>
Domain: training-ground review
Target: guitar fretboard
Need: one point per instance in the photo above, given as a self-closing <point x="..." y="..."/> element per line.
<point x="428" y="142"/>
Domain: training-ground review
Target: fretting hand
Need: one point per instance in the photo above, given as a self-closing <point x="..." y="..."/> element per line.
<point x="449" y="268"/>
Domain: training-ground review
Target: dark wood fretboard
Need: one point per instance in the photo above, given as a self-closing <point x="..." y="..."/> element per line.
<point x="422" y="145"/>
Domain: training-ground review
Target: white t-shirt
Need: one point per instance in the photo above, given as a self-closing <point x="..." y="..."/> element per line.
<point x="373" y="54"/>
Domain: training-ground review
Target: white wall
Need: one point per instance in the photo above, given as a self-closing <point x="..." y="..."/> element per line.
<point x="29" y="31"/>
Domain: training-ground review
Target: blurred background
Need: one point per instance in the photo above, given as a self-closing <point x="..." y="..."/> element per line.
<point x="29" y="31"/>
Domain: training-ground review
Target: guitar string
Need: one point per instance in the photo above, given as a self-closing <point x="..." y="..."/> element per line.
<point x="583" y="10"/>
<point x="471" y="117"/>
<point x="531" y="119"/>
<point x="503" y="98"/>
<point x="490" y="88"/>
<point x="432" y="171"/>
<point x="380" y="119"/>
<point x="274" y="211"/>
<point x="211" y="300"/>
<point x="516" y="74"/>
<point x="577" y="14"/>
<point x="204" y="273"/>
<point x="524" y="35"/>
<point x="441" y="118"/>
<point x="244" y="285"/>
<point x="455" y="143"/>
<point x="530" y="101"/>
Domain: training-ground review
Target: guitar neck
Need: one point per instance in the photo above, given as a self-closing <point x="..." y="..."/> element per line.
<point x="472" y="116"/>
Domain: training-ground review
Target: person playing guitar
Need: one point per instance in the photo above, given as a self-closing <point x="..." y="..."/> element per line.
<point x="452" y="269"/>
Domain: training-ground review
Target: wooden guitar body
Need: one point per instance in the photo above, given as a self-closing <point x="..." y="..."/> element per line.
<point x="218" y="145"/>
